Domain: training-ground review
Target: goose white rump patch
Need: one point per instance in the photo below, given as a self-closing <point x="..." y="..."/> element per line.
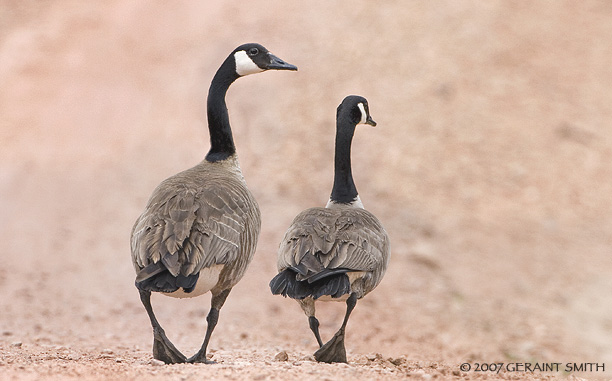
<point x="209" y="276"/>
<point x="245" y="65"/>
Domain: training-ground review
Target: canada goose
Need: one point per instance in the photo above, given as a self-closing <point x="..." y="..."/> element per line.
<point x="339" y="252"/>
<point x="200" y="227"/>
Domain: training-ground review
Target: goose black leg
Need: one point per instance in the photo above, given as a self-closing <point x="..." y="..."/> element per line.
<point x="314" y="327"/>
<point x="216" y="303"/>
<point x="163" y="349"/>
<point x="308" y="306"/>
<point x="333" y="350"/>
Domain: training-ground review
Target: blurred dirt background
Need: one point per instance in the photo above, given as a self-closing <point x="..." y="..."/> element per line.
<point x="491" y="168"/>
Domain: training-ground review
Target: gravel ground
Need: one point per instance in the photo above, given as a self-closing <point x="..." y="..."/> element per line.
<point x="490" y="167"/>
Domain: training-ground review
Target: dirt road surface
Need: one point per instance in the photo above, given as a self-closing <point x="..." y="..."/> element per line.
<point x="490" y="167"/>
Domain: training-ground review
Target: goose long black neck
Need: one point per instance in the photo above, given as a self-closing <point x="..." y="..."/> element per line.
<point x="221" y="139"/>
<point x="344" y="190"/>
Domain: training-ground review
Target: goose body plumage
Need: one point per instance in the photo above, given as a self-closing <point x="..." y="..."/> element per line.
<point x="202" y="221"/>
<point x="341" y="239"/>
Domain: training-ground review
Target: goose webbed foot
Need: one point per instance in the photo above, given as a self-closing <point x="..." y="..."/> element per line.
<point x="200" y="358"/>
<point x="333" y="350"/>
<point x="164" y="350"/>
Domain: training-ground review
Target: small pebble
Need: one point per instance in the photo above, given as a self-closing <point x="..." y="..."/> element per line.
<point x="17" y="344"/>
<point x="397" y="362"/>
<point x="281" y="356"/>
<point x="156" y="362"/>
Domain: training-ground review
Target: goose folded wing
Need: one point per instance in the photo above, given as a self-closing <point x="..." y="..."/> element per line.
<point x="320" y="243"/>
<point x="188" y="231"/>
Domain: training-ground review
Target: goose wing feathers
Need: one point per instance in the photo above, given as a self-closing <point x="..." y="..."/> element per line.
<point x="322" y="239"/>
<point x="190" y="227"/>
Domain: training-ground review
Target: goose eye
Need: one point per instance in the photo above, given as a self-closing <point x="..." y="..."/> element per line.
<point x="253" y="51"/>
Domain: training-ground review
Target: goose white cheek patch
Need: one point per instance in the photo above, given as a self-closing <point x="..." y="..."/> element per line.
<point x="244" y="65"/>
<point x="364" y="116"/>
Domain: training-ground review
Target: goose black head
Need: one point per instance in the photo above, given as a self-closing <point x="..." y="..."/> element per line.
<point x="357" y="109"/>
<point x="254" y="58"/>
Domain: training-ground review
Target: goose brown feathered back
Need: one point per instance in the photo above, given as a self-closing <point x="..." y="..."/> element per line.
<point x="339" y="252"/>
<point x="199" y="230"/>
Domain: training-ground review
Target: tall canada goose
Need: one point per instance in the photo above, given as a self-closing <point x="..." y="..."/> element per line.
<point x="339" y="252"/>
<point x="200" y="227"/>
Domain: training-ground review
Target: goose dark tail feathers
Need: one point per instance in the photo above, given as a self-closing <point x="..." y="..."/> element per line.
<point x="335" y="284"/>
<point x="156" y="277"/>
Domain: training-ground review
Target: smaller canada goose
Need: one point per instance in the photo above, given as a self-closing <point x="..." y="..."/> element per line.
<point x="339" y="252"/>
<point x="199" y="230"/>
